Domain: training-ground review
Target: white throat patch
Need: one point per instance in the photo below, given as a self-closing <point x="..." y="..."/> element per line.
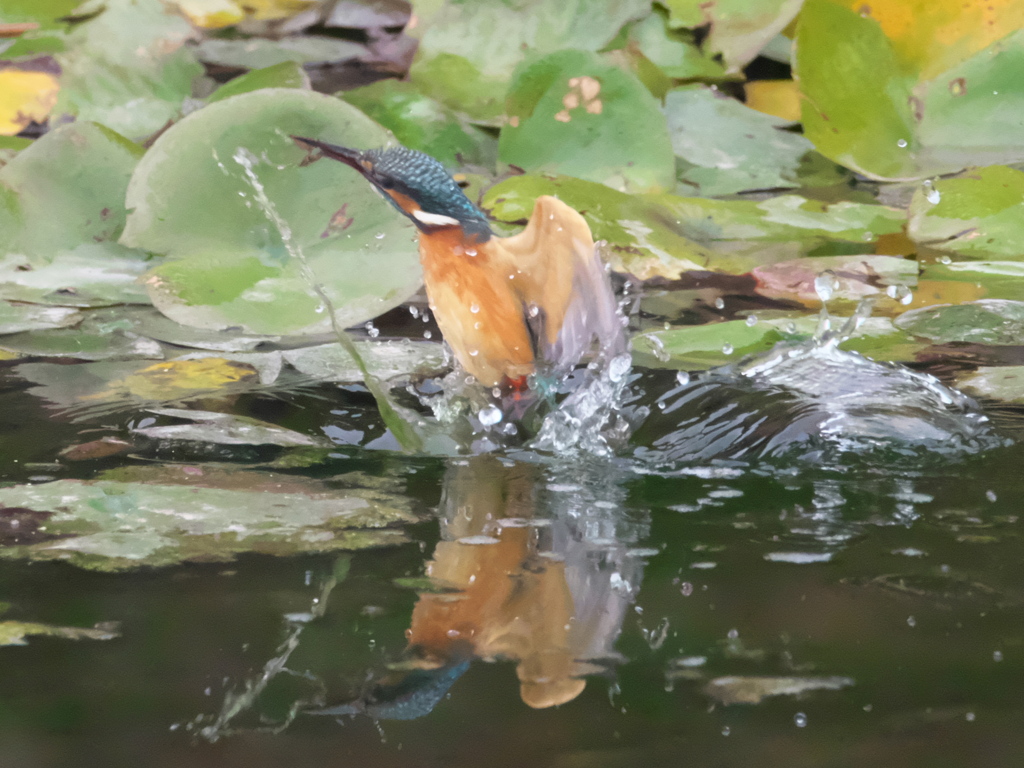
<point x="435" y="219"/>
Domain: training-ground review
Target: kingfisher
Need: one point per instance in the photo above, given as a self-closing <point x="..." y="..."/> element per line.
<point x="509" y="307"/>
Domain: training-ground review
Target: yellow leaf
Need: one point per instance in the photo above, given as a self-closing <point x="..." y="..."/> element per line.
<point x="25" y="96"/>
<point x="932" y="36"/>
<point x="216" y="14"/>
<point x="178" y="378"/>
<point x="774" y="97"/>
<point x="929" y="292"/>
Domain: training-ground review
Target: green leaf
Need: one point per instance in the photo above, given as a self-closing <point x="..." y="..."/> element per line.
<point x="45" y="12"/>
<point x="664" y="235"/>
<point x="673" y="53"/>
<point x="455" y="82"/>
<point x="979" y="214"/>
<point x="262" y="53"/>
<point x="68" y="189"/>
<point x="386" y="359"/>
<point x="700" y="347"/>
<point x="496" y="35"/>
<point x="898" y="106"/>
<point x="568" y="113"/>
<point x="15" y="318"/>
<point x="128" y="67"/>
<point x="192" y="200"/>
<point x="164" y="516"/>
<point x="977" y="279"/>
<point x="287" y="74"/>
<point x="727" y="147"/>
<point x="91" y="275"/>
<point x="998" y="383"/>
<point x="420" y="122"/>
<point x="989" y="321"/>
<point x="224" y="429"/>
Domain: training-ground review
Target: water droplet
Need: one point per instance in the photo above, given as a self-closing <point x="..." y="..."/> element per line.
<point x="969" y="717"/>
<point x="727" y="349"/>
<point x="683" y="378"/>
<point x="372" y="331"/>
<point x="911" y="621"/>
<point x="534" y="310"/>
<point x="321" y="308"/>
<point x="427" y="335"/>
<point x="496" y="391"/>
<point x="726" y="731"/>
<point x="825" y="285"/>
<point x="490" y="415"/>
<point x="686" y="588"/>
<point x="931" y="194"/>
<point x="997" y="655"/>
<point x="719" y="303"/>
<point x="800" y="719"/>
<point x="474" y="352"/>
<point x="619" y="367"/>
<point x="944" y="259"/>
<point x="477" y="325"/>
<point x="901" y="293"/>
<point x="732" y="634"/>
<point x="751" y="321"/>
<point x="509" y="428"/>
<point x="901" y="143"/>
<point x="471" y="251"/>
<point x="991" y="495"/>
<point x="474" y="308"/>
<point x="414" y="311"/>
<point x="380" y="235"/>
<point x="790" y="327"/>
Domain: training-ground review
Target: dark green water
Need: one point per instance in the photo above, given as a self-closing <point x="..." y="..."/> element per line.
<point x="905" y="581"/>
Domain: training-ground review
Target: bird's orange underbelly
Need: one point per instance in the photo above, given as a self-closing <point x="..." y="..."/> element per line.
<point x="476" y="307"/>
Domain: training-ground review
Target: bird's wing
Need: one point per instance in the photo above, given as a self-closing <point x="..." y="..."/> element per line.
<point x="567" y="296"/>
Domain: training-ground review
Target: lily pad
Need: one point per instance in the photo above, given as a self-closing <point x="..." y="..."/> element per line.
<point x="995" y="382"/>
<point x="385" y="359"/>
<point x="494" y="36"/>
<point x="673" y="52"/>
<point x="700" y="347"/>
<point x="568" y="113"/>
<point x="287" y="74"/>
<point x="727" y="147"/>
<point x="128" y="67"/>
<point x="420" y="122"/>
<point x="260" y="53"/>
<point x="26" y="95"/>
<point x="665" y="235"/>
<point x="881" y="98"/>
<point x="989" y="321"/>
<point x="850" y="278"/>
<point x="81" y="344"/>
<point x="91" y="275"/>
<point x="977" y="215"/>
<point x="212" y="208"/>
<point x="968" y="280"/>
<point x="112" y="525"/>
<point x="15" y="318"/>
<point x="224" y="429"/>
<point x="69" y="189"/>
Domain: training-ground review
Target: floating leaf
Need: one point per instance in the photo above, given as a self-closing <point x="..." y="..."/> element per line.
<point x="728" y="147"/>
<point x="128" y="67"/>
<point x="194" y="199"/>
<point x="386" y="359"/>
<point x="224" y="429"/>
<point x="210" y="14"/>
<point x="91" y="341"/>
<point x="15" y="318"/>
<point x="92" y="275"/>
<point x="15" y="632"/>
<point x="44" y="12"/>
<point x="287" y="74"/>
<point x="739" y="28"/>
<point x="175" y="379"/>
<point x="261" y="53"/>
<point x="568" y="113"/>
<point x="852" y="278"/>
<point x="979" y="214"/>
<point x="419" y="122"/>
<point x="969" y="280"/>
<point x="25" y="96"/>
<point x="678" y="57"/>
<point x="69" y="189"/>
<point x="110" y="525"/>
<point x="989" y="321"/>
<point x="881" y="97"/>
<point x="665" y="235"/>
<point x="998" y="383"/>
<point x="494" y="36"/>
<point x="780" y="98"/>
<point x="704" y="346"/>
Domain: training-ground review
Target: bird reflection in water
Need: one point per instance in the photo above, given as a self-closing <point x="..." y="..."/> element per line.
<point x="527" y="570"/>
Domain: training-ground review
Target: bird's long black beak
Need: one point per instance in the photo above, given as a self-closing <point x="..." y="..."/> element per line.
<point x="350" y="157"/>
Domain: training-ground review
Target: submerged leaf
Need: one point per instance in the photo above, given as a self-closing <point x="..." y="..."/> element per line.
<point x="15" y="632"/>
<point x="15" y="318"/>
<point x="755" y="689"/>
<point x="25" y="96"/>
<point x="116" y="525"/>
<point x="989" y="321"/>
<point x="224" y="429"/>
